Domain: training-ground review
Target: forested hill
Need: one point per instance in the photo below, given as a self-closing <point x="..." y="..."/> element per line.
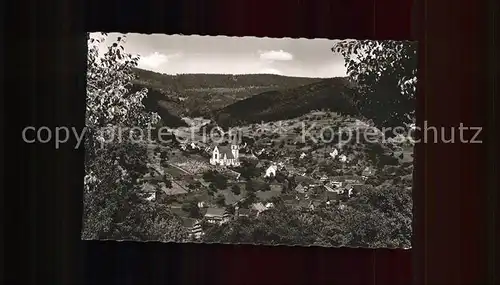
<point x="201" y="94"/>
<point x="334" y="94"/>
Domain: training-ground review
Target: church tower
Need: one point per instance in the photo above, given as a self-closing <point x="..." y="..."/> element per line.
<point x="235" y="151"/>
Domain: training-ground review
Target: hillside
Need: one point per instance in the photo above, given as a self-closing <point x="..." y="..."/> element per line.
<point x="328" y="94"/>
<point x="199" y="94"/>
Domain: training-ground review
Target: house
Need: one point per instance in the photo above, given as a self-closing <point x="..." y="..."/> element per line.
<point x="259" y="207"/>
<point x="339" y="190"/>
<point x="271" y="171"/>
<point x="216" y="215"/>
<point x="334" y="153"/>
<point x="335" y="184"/>
<point x="225" y="155"/>
<point x="241" y="212"/>
<point x="343" y="158"/>
<point x="353" y="188"/>
<point x="152" y="197"/>
<point x="367" y="172"/>
<point x="194" y="227"/>
<point x="300" y="188"/>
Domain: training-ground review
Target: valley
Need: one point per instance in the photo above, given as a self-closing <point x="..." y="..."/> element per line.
<point x="280" y="166"/>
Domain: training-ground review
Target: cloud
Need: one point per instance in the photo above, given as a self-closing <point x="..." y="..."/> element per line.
<point x="275" y="55"/>
<point x="155" y="60"/>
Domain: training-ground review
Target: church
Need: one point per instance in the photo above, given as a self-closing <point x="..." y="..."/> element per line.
<point x="225" y="155"/>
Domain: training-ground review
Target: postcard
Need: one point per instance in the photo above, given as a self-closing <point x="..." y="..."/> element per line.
<point x="245" y="140"/>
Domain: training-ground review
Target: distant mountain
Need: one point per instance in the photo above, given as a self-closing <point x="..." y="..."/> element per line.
<point x="200" y="94"/>
<point x="328" y="94"/>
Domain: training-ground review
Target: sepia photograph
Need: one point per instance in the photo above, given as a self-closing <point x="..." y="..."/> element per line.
<point x="246" y="140"/>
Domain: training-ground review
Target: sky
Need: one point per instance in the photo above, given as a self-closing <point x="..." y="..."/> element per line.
<point x="174" y="54"/>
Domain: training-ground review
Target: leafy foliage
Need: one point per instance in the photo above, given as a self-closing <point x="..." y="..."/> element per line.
<point x="384" y="73"/>
<point x="199" y="94"/>
<point x="332" y="93"/>
<point x="218" y="180"/>
<point x="220" y="200"/>
<point x="248" y="169"/>
<point x="380" y="217"/>
<point x="114" y="206"/>
<point x="191" y="207"/>
<point x="236" y="189"/>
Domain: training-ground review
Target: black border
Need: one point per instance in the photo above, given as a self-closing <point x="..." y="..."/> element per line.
<point x="451" y="233"/>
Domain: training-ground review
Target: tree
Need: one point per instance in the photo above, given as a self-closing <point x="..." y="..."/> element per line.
<point x="191" y="207"/>
<point x="384" y="73"/>
<point x="168" y="183"/>
<point x="212" y="189"/>
<point x="281" y="178"/>
<point x="250" y="186"/>
<point x="278" y="225"/>
<point x="292" y="183"/>
<point x="208" y="175"/>
<point x="378" y="217"/>
<point x="250" y="198"/>
<point x="113" y="204"/>
<point x="218" y="180"/>
<point x="266" y="187"/>
<point x="276" y="200"/>
<point x="220" y="200"/>
<point x="248" y="169"/>
<point x="236" y="189"/>
<point x="230" y="209"/>
<point x="156" y="221"/>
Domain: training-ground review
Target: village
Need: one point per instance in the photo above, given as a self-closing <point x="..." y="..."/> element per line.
<point x="214" y="184"/>
<point x="252" y="157"/>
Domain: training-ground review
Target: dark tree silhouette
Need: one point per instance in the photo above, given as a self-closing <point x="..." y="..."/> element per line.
<point x="236" y="189"/>
<point x="384" y="73"/>
<point x="114" y="206"/>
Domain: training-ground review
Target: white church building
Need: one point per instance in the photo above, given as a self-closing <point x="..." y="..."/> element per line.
<point x="225" y="155"/>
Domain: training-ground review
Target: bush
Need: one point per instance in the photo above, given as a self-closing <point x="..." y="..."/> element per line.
<point x="191" y="207"/>
<point x="217" y="180"/>
<point x="113" y="208"/>
<point x="236" y="189"/>
<point x="220" y="200"/>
